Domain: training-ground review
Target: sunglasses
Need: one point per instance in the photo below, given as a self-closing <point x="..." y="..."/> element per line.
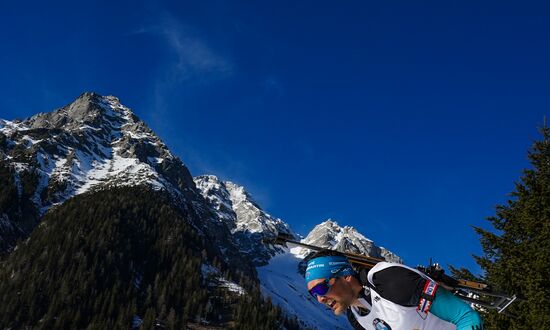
<point x="321" y="288"/>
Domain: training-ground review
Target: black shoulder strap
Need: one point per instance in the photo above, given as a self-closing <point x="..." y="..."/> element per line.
<point x="353" y="321"/>
<point x="363" y="277"/>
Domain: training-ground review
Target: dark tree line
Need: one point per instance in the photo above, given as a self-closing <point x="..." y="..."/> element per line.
<point x="118" y="258"/>
<point x="16" y="205"/>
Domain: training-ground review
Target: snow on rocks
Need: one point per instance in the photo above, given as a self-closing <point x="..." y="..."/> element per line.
<point x="330" y="235"/>
<point x="213" y="277"/>
<point x="248" y="223"/>
<point x="93" y="142"/>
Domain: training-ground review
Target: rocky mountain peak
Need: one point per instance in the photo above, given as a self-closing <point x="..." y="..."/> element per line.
<point x="330" y="235"/>
<point x="88" y="109"/>
<point x="93" y="142"/>
<point x="215" y="192"/>
<point x="248" y="222"/>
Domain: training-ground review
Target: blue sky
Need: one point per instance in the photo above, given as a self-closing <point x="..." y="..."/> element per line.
<point x="407" y="120"/>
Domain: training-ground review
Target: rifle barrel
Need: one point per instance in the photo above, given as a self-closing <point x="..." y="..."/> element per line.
<point x="350" y="255"/>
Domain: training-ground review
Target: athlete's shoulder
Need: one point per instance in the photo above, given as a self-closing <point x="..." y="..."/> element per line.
<point x="388" y="267"/>
<point x="396" y="282"/>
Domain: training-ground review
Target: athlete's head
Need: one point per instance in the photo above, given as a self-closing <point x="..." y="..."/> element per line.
<point x="331" y="279"/>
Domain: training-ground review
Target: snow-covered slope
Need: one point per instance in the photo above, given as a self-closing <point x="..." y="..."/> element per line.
<point x="281" y="281"/>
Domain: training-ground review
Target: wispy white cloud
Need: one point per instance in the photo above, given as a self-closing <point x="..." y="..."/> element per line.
<point x="189" y="58"/>
<point x="194" y="57"/>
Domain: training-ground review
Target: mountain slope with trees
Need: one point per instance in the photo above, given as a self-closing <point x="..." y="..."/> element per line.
<point x="119" y="258"/>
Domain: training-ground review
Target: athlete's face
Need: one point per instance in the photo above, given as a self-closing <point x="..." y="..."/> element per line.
<point x="340" y="296"/>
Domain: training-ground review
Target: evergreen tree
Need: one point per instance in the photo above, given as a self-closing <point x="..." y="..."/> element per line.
<point x="104" y="259"/>
<point x="464" y="273"/>
<point x="516" y="257"/>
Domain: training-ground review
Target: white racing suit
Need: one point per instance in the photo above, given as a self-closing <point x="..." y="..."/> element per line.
<point x="392" y="300"/>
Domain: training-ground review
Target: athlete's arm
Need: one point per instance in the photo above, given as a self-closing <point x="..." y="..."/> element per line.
<point x="450" y="308"/>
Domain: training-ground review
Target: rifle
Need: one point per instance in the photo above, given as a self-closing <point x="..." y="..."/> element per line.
<point x="477" y="293"/>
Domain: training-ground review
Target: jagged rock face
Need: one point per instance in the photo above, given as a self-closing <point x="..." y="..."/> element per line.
<point x="249" y="224"/>
<point x="346" y="239"/>
<point x="91" y="143"/>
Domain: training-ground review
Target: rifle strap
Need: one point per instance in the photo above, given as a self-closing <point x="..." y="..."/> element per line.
<point x="427" y="297"/>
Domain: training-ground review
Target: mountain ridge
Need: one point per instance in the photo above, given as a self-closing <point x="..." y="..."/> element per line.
<point x="89" y="142"/>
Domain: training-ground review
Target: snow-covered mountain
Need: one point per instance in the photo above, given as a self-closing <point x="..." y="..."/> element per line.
<point x="93" y="142"/>
<point x="96" y="142"/>
<point x="250" y="225"/>
<point x="331" y="236"/>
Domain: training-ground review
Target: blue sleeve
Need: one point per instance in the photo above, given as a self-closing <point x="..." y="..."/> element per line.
<point x="451" y="309"/>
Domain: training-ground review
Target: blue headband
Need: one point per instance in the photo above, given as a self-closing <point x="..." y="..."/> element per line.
<point x="327" y="267"/>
